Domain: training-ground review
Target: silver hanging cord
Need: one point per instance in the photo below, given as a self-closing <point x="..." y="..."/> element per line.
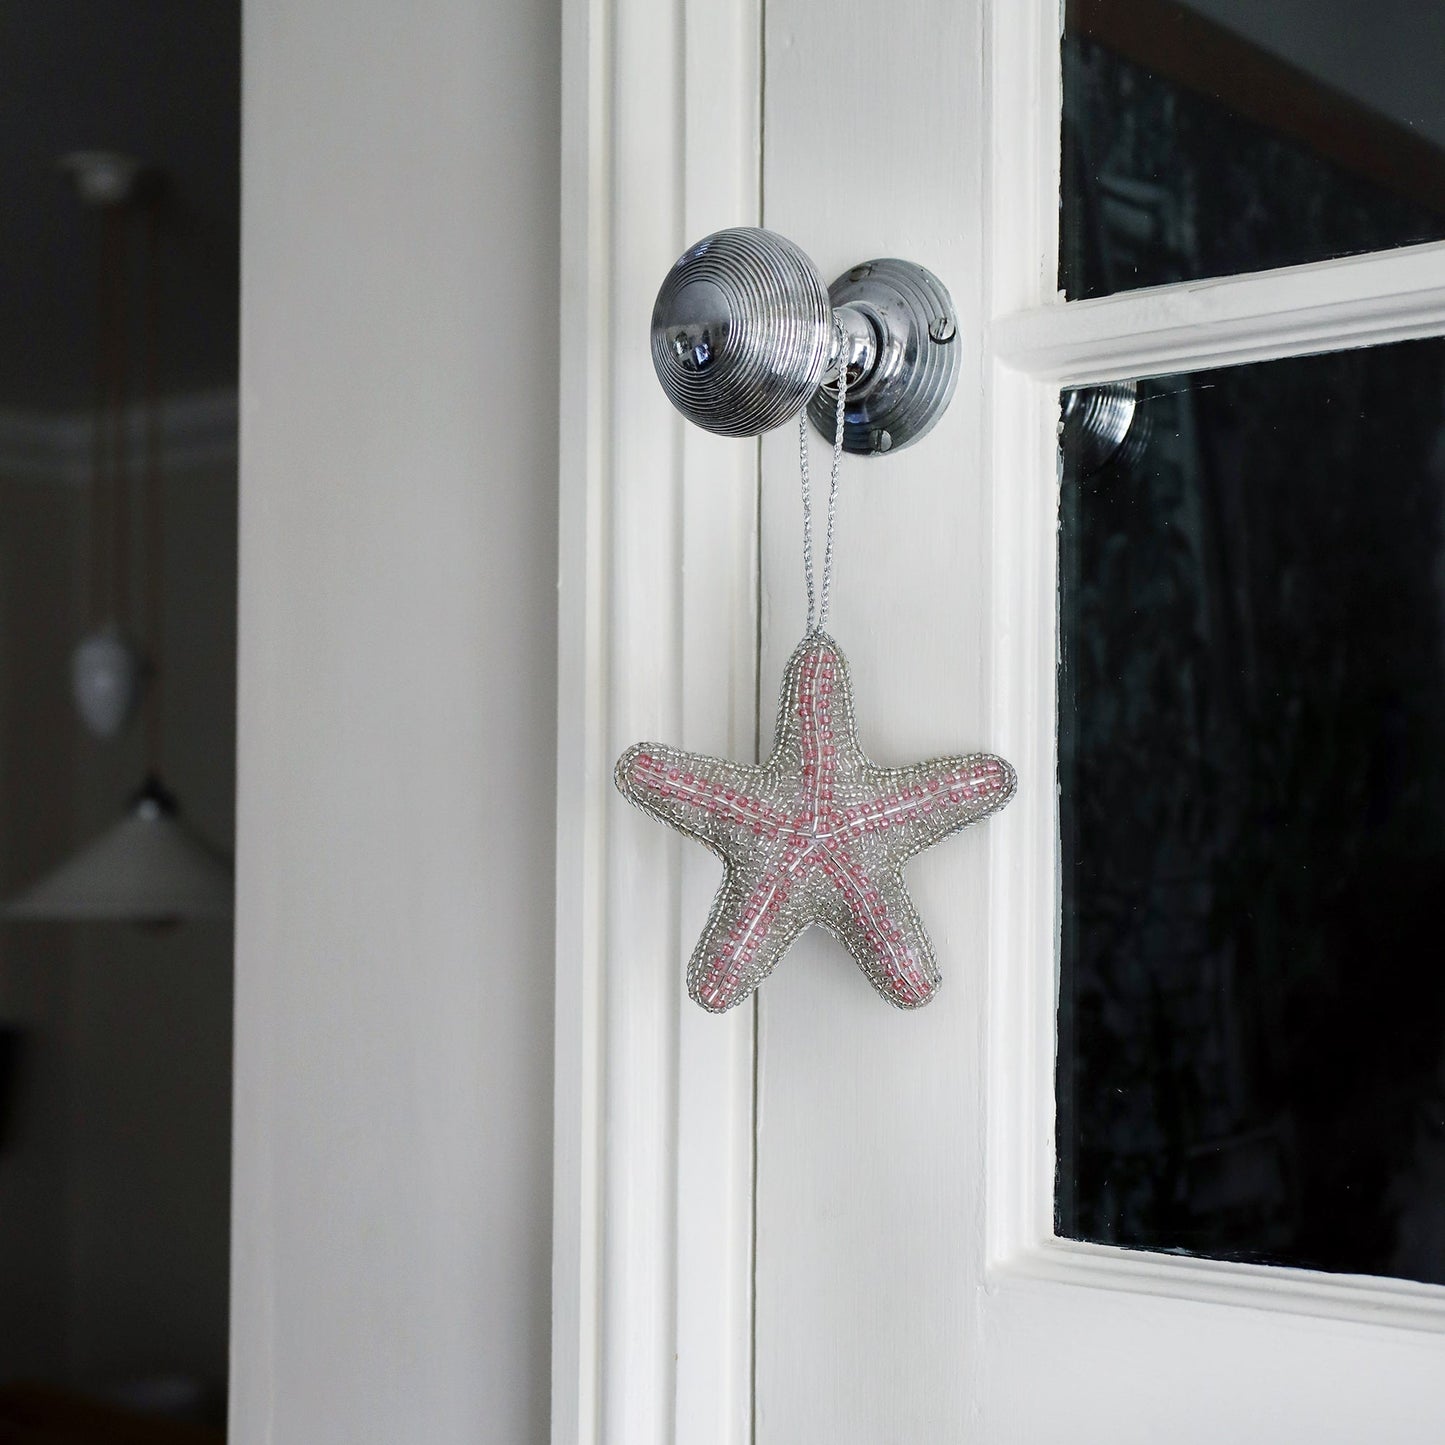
<point x="818" y="600"/>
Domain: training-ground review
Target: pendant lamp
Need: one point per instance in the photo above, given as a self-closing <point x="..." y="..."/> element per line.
<point x="107" y="669"/>
<point x="149" y="866"/>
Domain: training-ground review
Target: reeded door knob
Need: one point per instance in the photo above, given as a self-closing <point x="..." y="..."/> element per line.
<point x="744" y="335"/>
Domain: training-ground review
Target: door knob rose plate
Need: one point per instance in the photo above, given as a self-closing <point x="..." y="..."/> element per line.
<point x="744" y="336"/>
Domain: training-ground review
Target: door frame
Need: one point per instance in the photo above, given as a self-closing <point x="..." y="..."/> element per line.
<point x="657" y="631"/>
<point x="661" y="632"/>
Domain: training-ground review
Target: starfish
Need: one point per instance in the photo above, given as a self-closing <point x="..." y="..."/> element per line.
<point x="818" y="834"/>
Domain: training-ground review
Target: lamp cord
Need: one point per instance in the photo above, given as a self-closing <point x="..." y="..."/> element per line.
<point x="155" y="543"/>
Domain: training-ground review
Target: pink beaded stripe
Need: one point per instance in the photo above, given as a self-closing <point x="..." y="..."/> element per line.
<point x="981" y="781"/>
<point x="654" y="778"/>
<point x="815" y="717"/>
<point x="725" y="975"/>
<point x="816" y="835"/>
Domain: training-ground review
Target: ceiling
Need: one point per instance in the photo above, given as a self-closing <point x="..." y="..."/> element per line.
<point x="157" y="79"/>
<point x="1385" y="54"/>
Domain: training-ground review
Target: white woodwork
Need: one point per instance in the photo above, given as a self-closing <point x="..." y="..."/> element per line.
<point x="870" y="1258"/>
<point x="906" y="1285"/>
<point x="653" y="1147"/>
<point x="1353" y="301"/>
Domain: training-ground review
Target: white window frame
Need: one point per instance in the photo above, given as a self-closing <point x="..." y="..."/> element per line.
<point x="1039" y="343"/>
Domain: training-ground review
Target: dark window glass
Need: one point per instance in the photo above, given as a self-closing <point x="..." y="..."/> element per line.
<point x="1228" y="135"/>
<point x="1252" y="788"/>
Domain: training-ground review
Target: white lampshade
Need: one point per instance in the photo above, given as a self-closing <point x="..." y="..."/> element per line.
<point x="106" y="678"/>
<point x="150" y="867"/>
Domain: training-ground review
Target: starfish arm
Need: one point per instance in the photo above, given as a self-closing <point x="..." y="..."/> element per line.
<point x="709" y="799"/>
<point x="815" y="733"/>
<point x="749" y="929"/>
<point x="876" y="922"/>
<point x="915" y="807"/>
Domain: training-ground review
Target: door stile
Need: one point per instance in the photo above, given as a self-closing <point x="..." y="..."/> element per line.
<point x="870" y="1144"/>
<point x="721" y="107"/>
<point x="1023" y="90"/>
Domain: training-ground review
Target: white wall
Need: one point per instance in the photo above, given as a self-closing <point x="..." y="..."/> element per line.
<point x="391" y="1247"/>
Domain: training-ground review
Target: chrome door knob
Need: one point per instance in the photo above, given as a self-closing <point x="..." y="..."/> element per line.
<point x="742" y="332"/>
<point x="744" y="336"/>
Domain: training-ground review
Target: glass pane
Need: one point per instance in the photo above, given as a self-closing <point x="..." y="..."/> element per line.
<point x="1252" y="788"/>
<point x="1229" y="135"/>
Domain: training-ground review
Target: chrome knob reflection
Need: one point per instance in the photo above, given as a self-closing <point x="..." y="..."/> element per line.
<point x="1103" y="424"/>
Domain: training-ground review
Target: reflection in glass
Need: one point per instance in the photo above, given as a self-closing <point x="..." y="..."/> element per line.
<point x="1252" y="793"/>
<point x="1223" y="136"/>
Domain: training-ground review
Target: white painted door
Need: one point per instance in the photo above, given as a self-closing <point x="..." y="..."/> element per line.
<point x="816" y="1219"/>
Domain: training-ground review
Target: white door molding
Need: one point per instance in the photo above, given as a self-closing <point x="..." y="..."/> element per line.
<point x="657" y="639"/>
<point x="910" y="1285"/>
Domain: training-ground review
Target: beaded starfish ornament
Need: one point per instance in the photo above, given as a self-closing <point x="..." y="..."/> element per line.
<point x="818" y="834"/>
